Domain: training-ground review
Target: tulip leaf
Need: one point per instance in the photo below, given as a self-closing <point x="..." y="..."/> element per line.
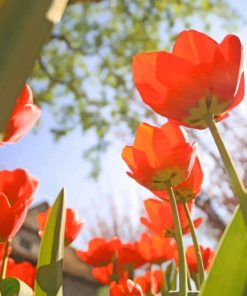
<point x="171" y="276"/>
<point x="24" y="28"/>
<point x="14" y="287"/>
<point x="103" y="291"/>
<point x="228" y="275"/>
<point x="50" y="262"/>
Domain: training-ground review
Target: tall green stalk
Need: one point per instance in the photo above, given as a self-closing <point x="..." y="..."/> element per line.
<point x="183" y="288"/>
<point x="236" y="183"/>
<point x="4" y="261"/>
<point x="195" y="243"/>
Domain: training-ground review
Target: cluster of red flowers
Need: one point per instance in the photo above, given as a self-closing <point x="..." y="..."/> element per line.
<point x="17" y="187"/>
<point x="199" y="81"/>
<point x="114" y="262"/>
<point x="17" y="190"/>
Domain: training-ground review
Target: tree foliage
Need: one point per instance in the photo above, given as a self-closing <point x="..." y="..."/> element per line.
<point x="84" y="72"/>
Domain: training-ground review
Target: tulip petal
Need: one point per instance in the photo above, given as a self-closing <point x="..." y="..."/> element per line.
<point x="21" y="122"/>
<point x="19" y="184"/>
<point x="232" y="51"/>
<point x="194" y="46"/>
<point x="170" y="69"/>
<point x="144" y="72"/>
<point x="239" y="95"/>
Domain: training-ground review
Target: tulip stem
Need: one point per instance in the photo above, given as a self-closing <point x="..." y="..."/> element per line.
<point x="195" y="243"/>
<point x="196" y="280"/>
<point x="237" y="185"/>
<point x="115" y="276"/>
<point x="5" y="261"/>
<point x="165" y="284"/>
<point x="189" y="284"/>
<point x="183" y="288"/>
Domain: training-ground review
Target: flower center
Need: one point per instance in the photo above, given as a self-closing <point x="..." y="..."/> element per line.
<point x="209" y="104"/>
<point x="161" y="178"/>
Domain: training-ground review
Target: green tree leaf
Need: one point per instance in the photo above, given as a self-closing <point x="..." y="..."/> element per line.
<point x="14" y="287"/>
<point x="228" y="275"/>
<point x="50" y="262"/>
<point x="84" y="71"/>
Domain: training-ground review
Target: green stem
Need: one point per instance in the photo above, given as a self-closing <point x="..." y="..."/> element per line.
<point x="5" y="261"/>
<point x="183" y="289"/>
<point x="195" y="243"/>
<point x="115" y="276"/>
<point x="164" y="287"/>
<point x="197" y="281"/>
<point x="189" y="284"/>
<point x="236" y="183"/>
<point x="130" y="272"/>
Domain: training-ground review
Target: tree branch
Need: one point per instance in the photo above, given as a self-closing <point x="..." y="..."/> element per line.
<point x="48" y="74"/>
<point x="79" y="49"/>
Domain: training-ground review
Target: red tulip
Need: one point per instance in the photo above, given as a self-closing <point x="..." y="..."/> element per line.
<point x="22" y="119"/>
<point x="125" y="288"/>
<point x="100" y="251"/>
<point x="161" y="219"/>
<point x="156" y="249"/>
<point x="159" y="155"/>
<point x="17" y="189"/>
<point x="151" y="281"/>
<point x="24" y="271"/>
<point x="207" y="257"/>
<point x="199" y="77"/>
<point x="157" y="281"/>
<point x="104" y="274"/>
<point x="130" y="256"/>
<point x="144" y="281"/>
<point x="189" y="189"/>
<point x="103" y="253"/>
<point x="73" y="225"/>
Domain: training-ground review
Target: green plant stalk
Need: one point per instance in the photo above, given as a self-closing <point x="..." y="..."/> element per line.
<point x="183" y="288"/>
<point x="164" y="291"/>
<point x="115" y="276"/>
<point x="236" y="183"/>
<point x="197" y="281"/>
<point x="164" y="287"/>
<point x="188" y="275"/>
<point x="195" y="243"/>
<point x="5" y="261"/>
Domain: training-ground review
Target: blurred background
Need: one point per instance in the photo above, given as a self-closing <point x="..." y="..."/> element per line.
<point x="90" y="110"/>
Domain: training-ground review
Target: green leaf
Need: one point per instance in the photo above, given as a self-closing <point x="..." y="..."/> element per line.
<point x="171" y="276"/>
<point x="228" y="275"/>
<point x="24" y="27"/>
<point x="50" y="262"/>
<point x="103" y="291"/>
<point x="14" y="287"/>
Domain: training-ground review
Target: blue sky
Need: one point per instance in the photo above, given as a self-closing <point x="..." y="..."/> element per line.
<point x="61" y="164"/>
